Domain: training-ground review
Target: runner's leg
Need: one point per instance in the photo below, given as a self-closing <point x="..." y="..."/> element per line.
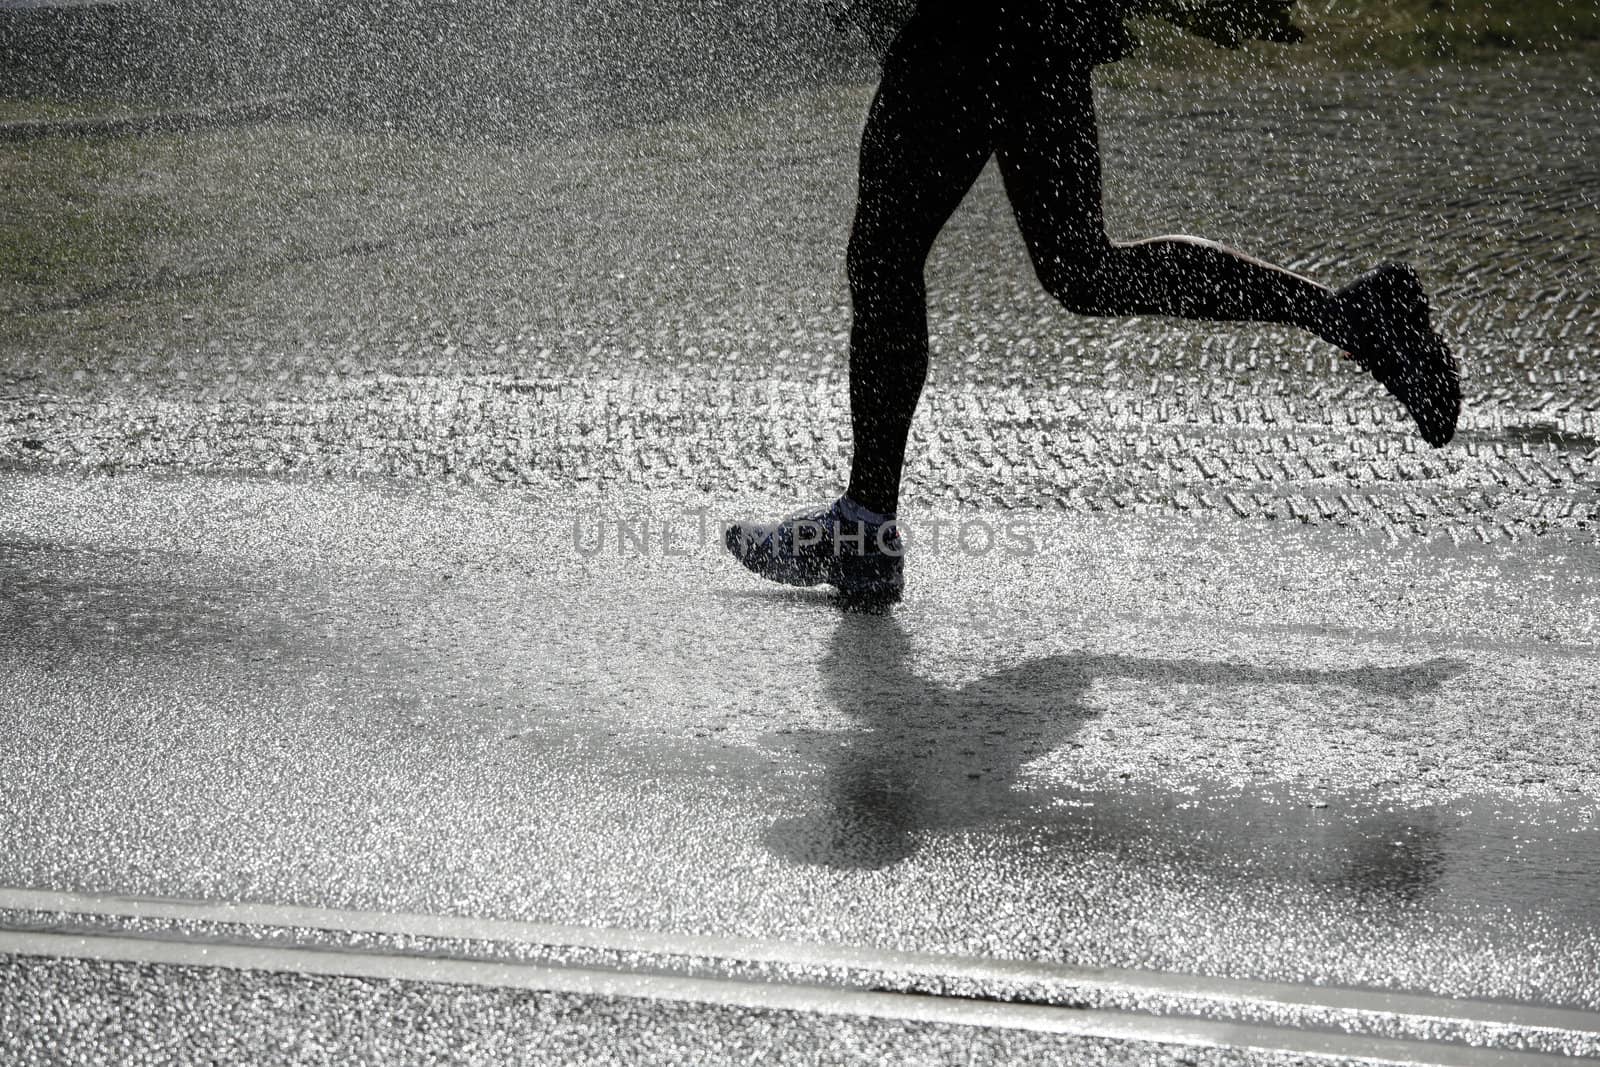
<point x="927" y="137"/>
<point x="1048" y="146"/>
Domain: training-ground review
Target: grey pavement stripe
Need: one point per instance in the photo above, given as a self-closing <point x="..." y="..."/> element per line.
<point x="446" y="927"/>
<point x="764" y="996"/>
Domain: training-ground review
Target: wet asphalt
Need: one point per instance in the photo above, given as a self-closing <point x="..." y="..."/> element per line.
<point x="1272" y="753"/>
<point x="111" y="1014"/>
<point x="381" y="574"/>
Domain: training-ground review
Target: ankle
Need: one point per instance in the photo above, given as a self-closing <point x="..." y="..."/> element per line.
<point x="856" y="511"/>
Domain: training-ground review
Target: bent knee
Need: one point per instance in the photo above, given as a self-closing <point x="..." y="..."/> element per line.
<point x="1082" y="280"/>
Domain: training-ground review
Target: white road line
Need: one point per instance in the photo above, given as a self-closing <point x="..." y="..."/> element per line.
<point x="1270" y="994"/>
<point x="764" y="996"/>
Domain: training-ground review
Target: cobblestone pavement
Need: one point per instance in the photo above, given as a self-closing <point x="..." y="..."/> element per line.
<point x="665" y="308"/>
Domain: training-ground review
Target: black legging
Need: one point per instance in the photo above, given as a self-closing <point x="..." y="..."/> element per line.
<point x="962" y="81"/>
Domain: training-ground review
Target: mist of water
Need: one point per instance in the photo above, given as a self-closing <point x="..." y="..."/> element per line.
<point x="470" y="65"/>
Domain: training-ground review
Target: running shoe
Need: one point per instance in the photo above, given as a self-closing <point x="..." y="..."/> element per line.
<point x="1395" y="342"/>
<point x="865" y="562"/>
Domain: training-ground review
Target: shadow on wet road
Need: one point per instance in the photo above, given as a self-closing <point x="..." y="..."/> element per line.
<point x="930" y="757"/>
<point x="402" y="701"/>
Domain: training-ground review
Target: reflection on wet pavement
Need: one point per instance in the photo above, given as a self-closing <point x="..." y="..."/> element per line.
<point x="1320" y="757"/>
<point x="924" y="757"/>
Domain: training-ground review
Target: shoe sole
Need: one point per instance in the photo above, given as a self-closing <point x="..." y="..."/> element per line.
<point x="843" y="573"/>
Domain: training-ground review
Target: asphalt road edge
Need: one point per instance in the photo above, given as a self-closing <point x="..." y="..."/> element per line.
<point x="49" y="933"/>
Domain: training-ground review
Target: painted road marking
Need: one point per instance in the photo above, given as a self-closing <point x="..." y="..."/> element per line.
<point x="214" y="951"/>
<point x="911" y="964"/>
<point x="763" y="996"/>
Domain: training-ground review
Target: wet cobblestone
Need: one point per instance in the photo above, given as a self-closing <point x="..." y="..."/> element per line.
<point x="666" y="308"/>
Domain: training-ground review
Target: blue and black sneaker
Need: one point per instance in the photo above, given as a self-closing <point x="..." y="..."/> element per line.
<point x="1395" y="341"/>
<point x="865" y="561"/>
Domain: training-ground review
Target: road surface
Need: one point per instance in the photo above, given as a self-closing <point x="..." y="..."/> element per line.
<point x="359" y="569"/>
